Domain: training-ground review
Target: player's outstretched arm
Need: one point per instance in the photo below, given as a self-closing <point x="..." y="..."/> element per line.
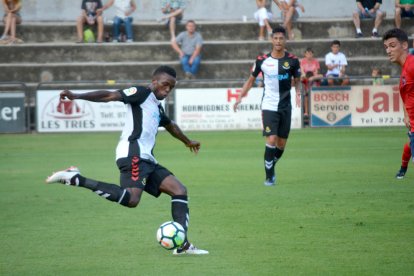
<point x="246" y="87"/>
<point x="93" y="96"/>
<point x="176" y="132"/>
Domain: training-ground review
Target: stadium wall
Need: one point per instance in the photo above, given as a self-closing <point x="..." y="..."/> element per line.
<point x="229" y="10"/>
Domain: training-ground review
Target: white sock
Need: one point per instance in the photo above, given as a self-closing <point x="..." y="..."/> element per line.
<point x="374" y="30"/>
<point x="358" y="30"/>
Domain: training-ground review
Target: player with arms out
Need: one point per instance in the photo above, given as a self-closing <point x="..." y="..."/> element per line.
<point x="396" y="47"/>
<point x="278" y="68"/>
<point x="139" y="170"/>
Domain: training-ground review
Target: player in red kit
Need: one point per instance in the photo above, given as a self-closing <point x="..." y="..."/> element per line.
<point x="396" y="46"/>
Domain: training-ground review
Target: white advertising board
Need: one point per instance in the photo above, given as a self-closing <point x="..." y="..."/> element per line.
<point x="55" y="115"/>
<point x="357" y="106"/>
<point x="212" y="109"/>
<point x="377" y="106"/>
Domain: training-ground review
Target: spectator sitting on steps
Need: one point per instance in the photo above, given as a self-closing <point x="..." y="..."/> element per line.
<point x="291" y="11"/>
<point x="368" y="9"/>
<point x="11" y="19"/>
<point x="262" y="15"/>
<point x="173" y="10"/>
<point x="336" y="63"/>
<point x="91" y="15"/>
<point x="309" y="68"/>
<point x="124" y="10"/>
<point x="403" y="8"/>
<point x="191" y="43"/>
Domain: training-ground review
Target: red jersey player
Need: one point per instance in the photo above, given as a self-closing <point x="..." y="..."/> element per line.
<point x="396" y="46"/>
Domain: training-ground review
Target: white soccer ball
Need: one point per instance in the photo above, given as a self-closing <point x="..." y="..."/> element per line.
<point x="170" y="235"/>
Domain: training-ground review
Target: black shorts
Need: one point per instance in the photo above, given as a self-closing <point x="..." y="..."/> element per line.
<point x="142" y="174"/>
<point x="276" y="122"/>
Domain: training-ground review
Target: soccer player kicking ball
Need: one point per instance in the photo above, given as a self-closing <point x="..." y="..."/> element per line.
<point x="139" y="170"/>
<point x="396" y="47"/>
<point x="278" y="68"/>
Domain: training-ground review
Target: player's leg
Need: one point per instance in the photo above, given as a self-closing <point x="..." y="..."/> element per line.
<point x="283" y="130"/>
<point x="163" y="181"/>
<point x="269" y="160"/>
<point x="72" y="176"/>
<point x="405" y="159"/>
<point x="411" y="135"/>
<point x="179" y="201"/>
<point x="269" y="122"/>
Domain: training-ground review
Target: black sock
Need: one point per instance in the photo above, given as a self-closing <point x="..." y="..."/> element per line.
<point x="269" y="158"/>
<point x="278" y="154"/>
<point x="111" y="192"/>
<point x="180" y="211"/>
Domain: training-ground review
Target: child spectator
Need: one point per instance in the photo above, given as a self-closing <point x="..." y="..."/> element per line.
<point x="291" y="11"/>
<point x="309" y="67"/>
<point x="174" y="11"/>
<point x="377" y="76"/>
<point x="91" y="15"/>
<point x="262" y="15"/>
<point x="368" y="9"/>
<point x="336" y="63"/>
<point x="124" y="9"/>
<point x="11" y="19"/>
<point x="191" y="43"/>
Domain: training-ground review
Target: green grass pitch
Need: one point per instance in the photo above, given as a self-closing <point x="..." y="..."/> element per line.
<point x="337" y="208"/>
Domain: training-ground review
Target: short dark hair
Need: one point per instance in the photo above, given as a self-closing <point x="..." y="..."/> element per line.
<point x="164" y="69"/>
<point x="190" y="21"/>
<point x="336" y="42"/>
<point x="399" y="34"/>
<point x="279" y="29"/>
<point x="309" y="49"/>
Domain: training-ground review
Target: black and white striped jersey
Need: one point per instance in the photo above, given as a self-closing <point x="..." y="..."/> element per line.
<point x="144" y="115"/>
<point x="277" y="78"/>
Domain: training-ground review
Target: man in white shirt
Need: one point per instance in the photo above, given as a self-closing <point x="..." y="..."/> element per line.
<point x="336" y="63"/>
<point x="124" y="9"/>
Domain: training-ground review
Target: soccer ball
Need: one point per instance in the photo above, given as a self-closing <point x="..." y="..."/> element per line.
<point x="170" y="235"/>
